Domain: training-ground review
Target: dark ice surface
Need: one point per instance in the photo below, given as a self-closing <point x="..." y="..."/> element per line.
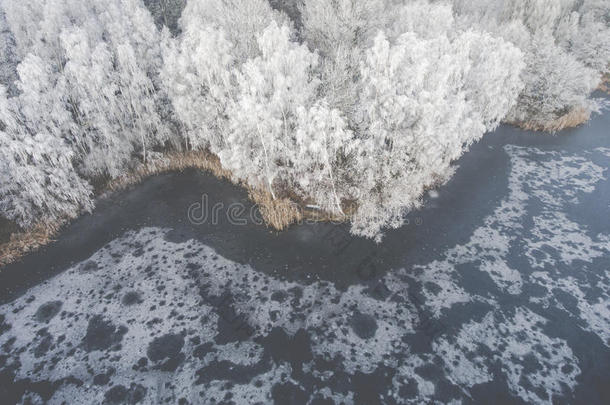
<point x="496" y="291"/>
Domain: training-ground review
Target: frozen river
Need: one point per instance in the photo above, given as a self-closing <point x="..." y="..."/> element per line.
<point x="496" y="291"/>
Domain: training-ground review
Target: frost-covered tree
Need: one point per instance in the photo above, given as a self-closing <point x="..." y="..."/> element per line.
<point x="566" y="41"/>
<point x="166" y="13"/>
<point x="328" y="25"/>
<point x="38" y="182"/>
<point x="281" y="135"/>
<point x="8" y="56"/>
<point x="254" y="104"/>
<point x="43" y="100"/>
<point x="87" y="99"/>
<point x="198" y="75"/>
<point x="23" y="19"/>
<point x="423" y="101"/>
<point x="241" y="20"/>
<point x="415" y="90"/>
<point x="137" y="59"/>
<point x="102" y="60"/>
<point x="557" y="87"/>
<point x="323" y="148"/>
<point x="426" y="19"/>
<point x="340" y="31"/>
<point x="100" y="134"/>
<point x="200" y="66"/>
<point x="291" y="9"/>
<point x="271" y="88"/>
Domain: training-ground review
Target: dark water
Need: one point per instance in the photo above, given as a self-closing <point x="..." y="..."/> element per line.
<point x="497" y="291"/>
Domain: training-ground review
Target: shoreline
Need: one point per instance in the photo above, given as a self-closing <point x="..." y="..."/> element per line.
<point x="310" y="249"/>
<point x="573" y="119"/>
<point x="278" y="214"/>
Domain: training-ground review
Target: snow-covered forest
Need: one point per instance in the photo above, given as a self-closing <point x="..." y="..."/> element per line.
<point x="354" y="106"/>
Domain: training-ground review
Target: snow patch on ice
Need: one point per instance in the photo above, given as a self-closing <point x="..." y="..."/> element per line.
<point x="522" y="350"/>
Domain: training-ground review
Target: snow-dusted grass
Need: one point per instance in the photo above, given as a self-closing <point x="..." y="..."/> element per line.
<point x="173" y="161"/>
<point x="605" y="83"/>
<point x="22" y="242"/>
<point x="575" y="117"/>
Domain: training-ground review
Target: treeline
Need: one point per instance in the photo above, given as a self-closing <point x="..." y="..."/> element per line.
<point x="566" y="47"/>
<point x="354" y="106"/>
